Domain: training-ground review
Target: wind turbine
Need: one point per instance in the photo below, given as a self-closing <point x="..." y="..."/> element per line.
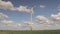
<point x="31" y="12"/>
<point x="30" y="23"/>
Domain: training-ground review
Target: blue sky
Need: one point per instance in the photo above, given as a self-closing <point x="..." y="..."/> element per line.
<point x="51" y="7"/>
<point x="45" y="8"/>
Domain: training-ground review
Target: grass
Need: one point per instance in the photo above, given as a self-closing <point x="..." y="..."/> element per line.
<point x="30" y="32"/>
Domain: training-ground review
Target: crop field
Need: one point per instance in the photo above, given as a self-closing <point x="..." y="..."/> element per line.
<point x="29" y="32"/>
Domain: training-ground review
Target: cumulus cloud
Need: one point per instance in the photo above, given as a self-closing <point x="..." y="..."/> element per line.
<point x="43" y="19"/>
<point x="42" y="6"/>
<point x="2" y="16"/>
<point x="56" y="17"/>
<point x="6" y="5"/>
<point x="4" y="19"/>
<point x="25" y="9"/>
<point x="18" y="25"/>
<point x="10" y="6"/>
<point x="10" y="23"/>
<point x="28" y="23"/>
<point x="7" y="22"/>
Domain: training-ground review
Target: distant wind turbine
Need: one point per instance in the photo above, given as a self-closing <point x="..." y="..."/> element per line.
<point x="31" y="12"/>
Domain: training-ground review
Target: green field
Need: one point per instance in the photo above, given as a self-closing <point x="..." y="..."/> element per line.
<point x="30" y="32"/>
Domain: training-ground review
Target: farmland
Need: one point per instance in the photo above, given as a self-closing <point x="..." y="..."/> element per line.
<point x="29" y="32"/>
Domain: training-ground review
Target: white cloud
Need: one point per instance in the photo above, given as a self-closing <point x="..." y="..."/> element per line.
<point x="43" y="19"/>
<point x="56" y="17"/>
<point x="6" y="5"/>
<point x="7" y="22"/>
<point x="9" y="5"/>
<point x="28" y="23"/>
<point x="10" y="23"/>
<point x="14" y="25"/>
<point x="42" y="6"/>
<point x="18" y="25"/>
<point x="25" y="9"/>
<point x="2" y="16"/>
